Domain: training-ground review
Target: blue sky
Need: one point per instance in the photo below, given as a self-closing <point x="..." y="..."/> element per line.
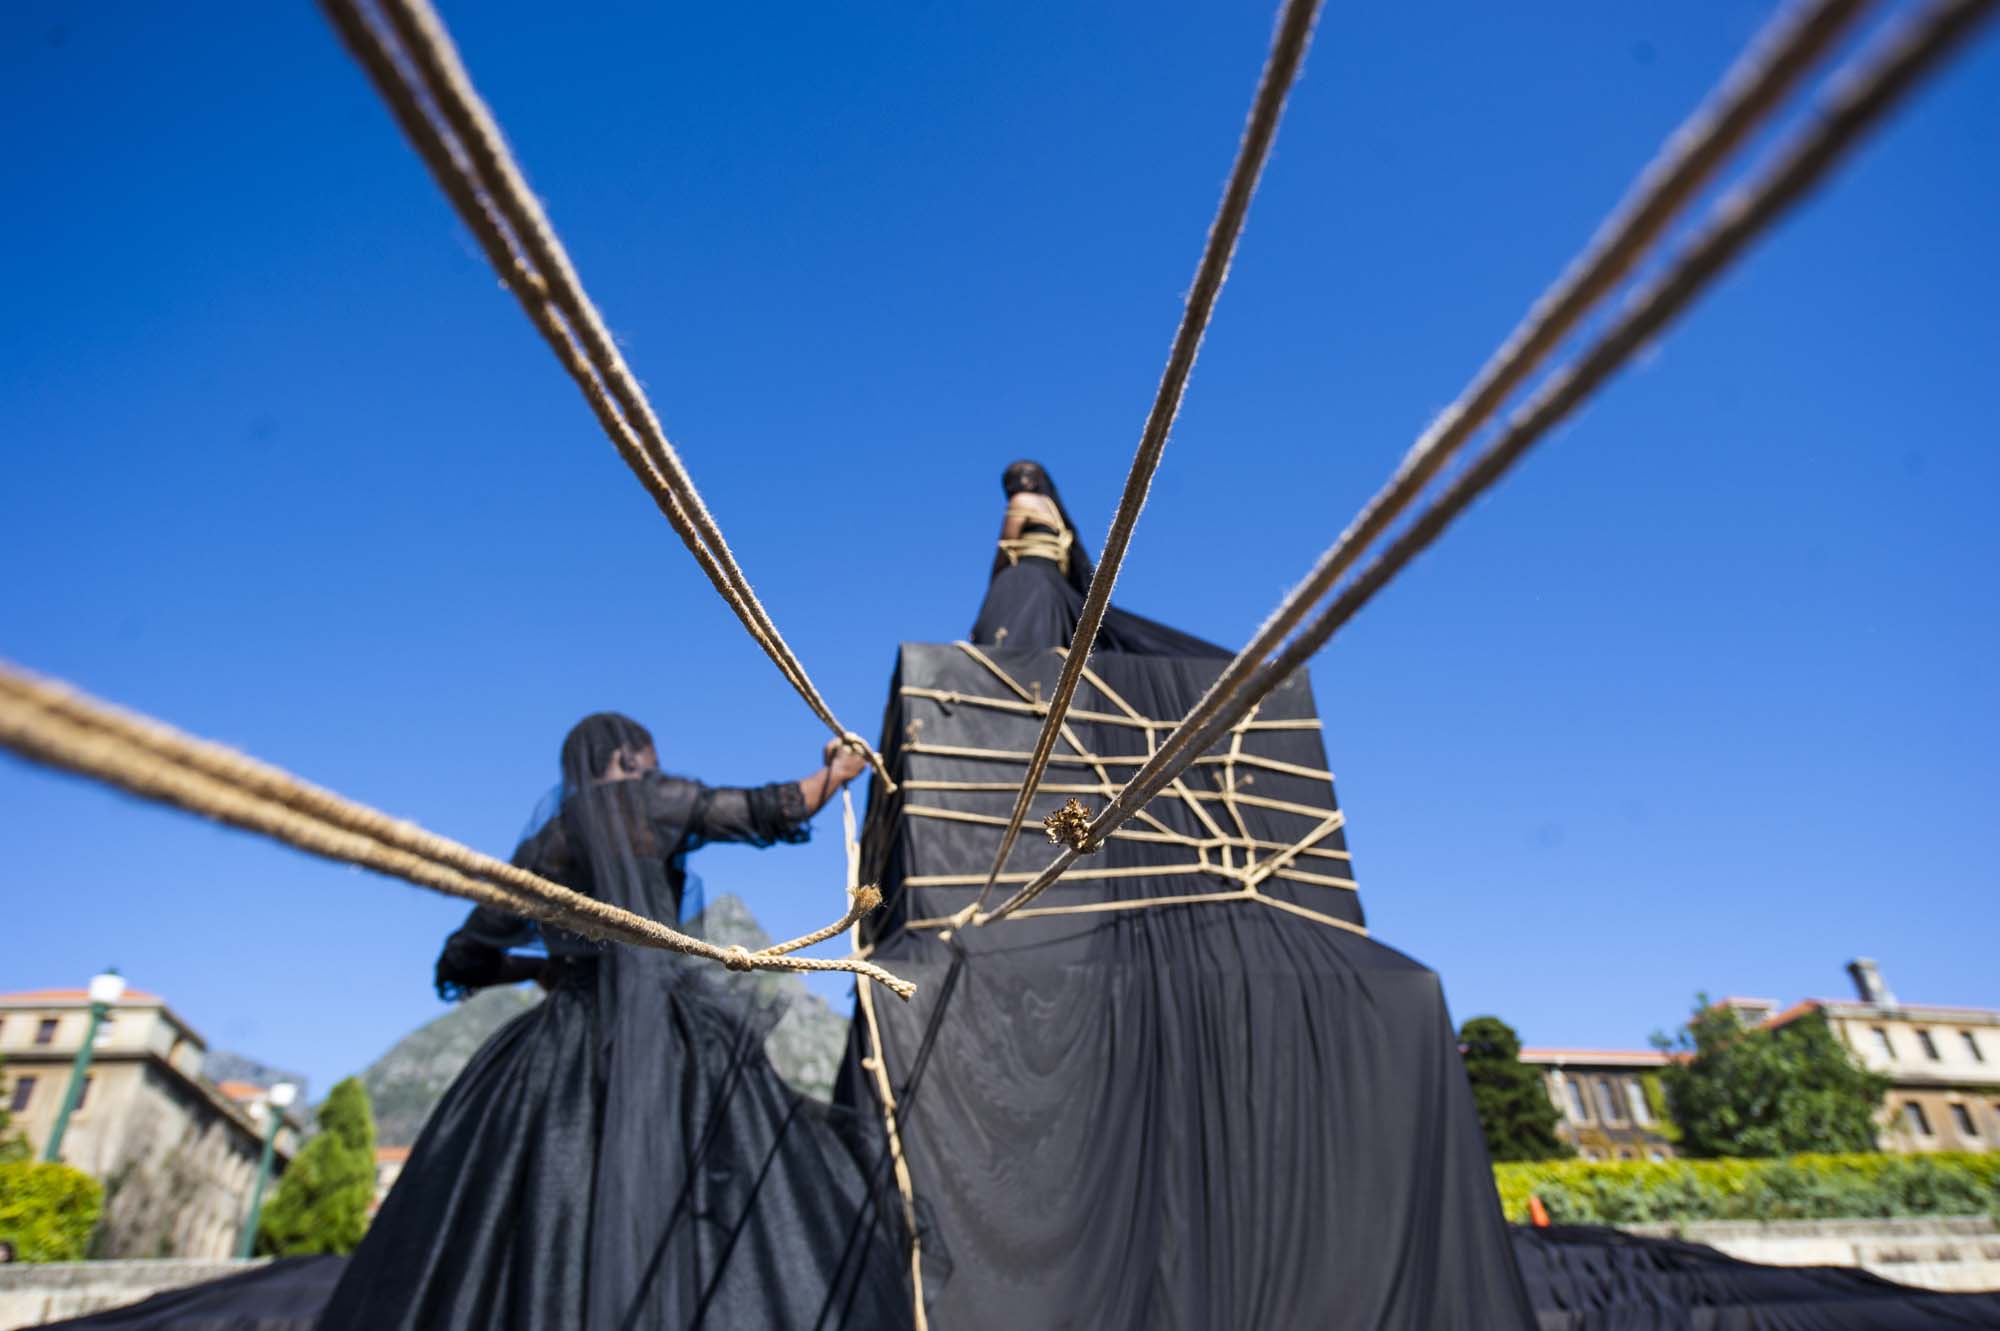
<point x="1701" y="698"/>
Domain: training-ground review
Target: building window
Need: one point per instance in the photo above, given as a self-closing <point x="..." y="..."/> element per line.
<point x="1656" y="1155"/>
<point x="1635" y="1092"/>
<point x="1607" y="1101"/>
<point x="1963" y="1117"/>
<point x="1972" y="1046"/>
<point x="104" y="1028"/>
<point x="1882" y="1038"/>
<point x="83" y="1092"/>
<point x="1579" y="1108"/>
<point x="1930" y="1046"/>
<point x="46" y="1032"/>
<point x="1916" y="1119"/>
<point x="24" y="1091"/>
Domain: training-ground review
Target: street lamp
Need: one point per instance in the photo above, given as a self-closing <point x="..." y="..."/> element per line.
<point x="275" y="1103"/>
<point x="105" y="991"/>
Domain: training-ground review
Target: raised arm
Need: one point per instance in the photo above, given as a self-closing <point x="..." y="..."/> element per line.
<point x="762" y="815"/>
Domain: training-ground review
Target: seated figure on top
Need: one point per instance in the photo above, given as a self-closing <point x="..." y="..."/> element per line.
<point x="1040" y="574"/>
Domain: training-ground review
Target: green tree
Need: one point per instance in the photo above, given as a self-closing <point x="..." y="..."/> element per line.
<point x="1514" y="1109"/>
<point x="321" y="1204"/>
<point x="1763" y="1091"/>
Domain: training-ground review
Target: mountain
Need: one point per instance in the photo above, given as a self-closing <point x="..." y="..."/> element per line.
<point x="220" y="1065"/>
<point x="406" y="1082"/>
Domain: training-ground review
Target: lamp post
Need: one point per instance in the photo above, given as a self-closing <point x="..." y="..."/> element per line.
<point x="105" y="991"/>
<point x="275" y="1104"/>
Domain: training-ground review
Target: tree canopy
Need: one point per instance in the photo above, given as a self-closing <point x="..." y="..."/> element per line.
<point x="322" y="1201"/>
<point x="1763" y="1091"/>
<point x="1514" y="1108"/>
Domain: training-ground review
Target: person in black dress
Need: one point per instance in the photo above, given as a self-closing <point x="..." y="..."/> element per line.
<point x="1041" y="573"/>
<point x="624" y="1155"/>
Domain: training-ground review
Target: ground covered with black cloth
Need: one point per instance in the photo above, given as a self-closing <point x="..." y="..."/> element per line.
<point x="1580" y="1279"/>
<point x="1583" y="1278"/>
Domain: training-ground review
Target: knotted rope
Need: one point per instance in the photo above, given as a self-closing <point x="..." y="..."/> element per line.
<point x="55" y="724"/>
<point x="411" y="59"/>
<point x="1288" y="50"/>
<point x="1855" y="99"/>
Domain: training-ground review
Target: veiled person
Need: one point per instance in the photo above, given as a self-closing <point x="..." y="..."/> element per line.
<point x="624" y="1155"/>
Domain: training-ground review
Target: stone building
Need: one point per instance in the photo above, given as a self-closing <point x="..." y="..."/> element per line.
<point x="1608" y="1112"/>
<point x="177" y="1156"/>
<point x="1943" y="1063"/>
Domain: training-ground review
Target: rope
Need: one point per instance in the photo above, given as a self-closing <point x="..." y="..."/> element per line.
<point x="1774" y="62"/>
<point x="415" y="66"/>
<point x="54" y="724"/>
<point x="1857" y="98"/>
<point x="1288" y="49"/>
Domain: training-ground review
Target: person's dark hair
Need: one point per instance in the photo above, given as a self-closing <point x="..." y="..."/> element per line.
<point x="1029" y="477"/>
<point x="588" y="748"/>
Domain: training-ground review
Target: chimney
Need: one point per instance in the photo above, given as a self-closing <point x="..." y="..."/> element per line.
<point x="1868" y="982"/>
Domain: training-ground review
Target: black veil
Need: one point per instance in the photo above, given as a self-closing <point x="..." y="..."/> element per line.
<point x="624" y="1155"/>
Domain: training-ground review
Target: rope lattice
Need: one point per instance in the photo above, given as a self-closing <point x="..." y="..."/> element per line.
<point x="1231" y="853"/>
<point x="1854" y="101"/>
<point x="54" y="724"/>
<point x="410" y="57"/>
<point x="1288" y="50"/>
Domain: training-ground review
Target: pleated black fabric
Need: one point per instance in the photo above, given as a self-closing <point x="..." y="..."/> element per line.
<point x="1178" y="1118"/>
<point x="1584" y="1278"/>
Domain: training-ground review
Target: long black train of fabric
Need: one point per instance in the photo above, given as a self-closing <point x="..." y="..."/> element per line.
<point x="1583" y="1278"/>
<point x="1180" y="1117"/>
<point x="1579" y="1278"/>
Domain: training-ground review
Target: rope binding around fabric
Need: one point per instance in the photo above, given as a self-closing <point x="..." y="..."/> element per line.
<point x="58" y="726"/>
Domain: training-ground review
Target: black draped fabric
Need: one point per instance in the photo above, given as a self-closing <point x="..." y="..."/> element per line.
<point x="1177" y="1117"/>
<point x="1585" y="1278"/>
<point x="624" y="1155"/>
<point x="1031" y="602"/>
<point x="1580" y="1278"/>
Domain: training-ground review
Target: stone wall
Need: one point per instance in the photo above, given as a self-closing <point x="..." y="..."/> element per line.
<point x="34" y="1293"/>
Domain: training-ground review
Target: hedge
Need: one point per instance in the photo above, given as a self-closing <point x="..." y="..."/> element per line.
<point x="1799" y="1187"/>
<point x="47" y="1211"/>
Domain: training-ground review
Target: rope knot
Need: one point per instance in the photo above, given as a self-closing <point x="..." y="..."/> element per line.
<point x="1069" y="826"/>
<point x="737" y="957"/>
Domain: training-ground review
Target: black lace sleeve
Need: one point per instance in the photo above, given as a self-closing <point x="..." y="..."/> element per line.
<point x="474" y="956"/>
<point x="753" y="815"/>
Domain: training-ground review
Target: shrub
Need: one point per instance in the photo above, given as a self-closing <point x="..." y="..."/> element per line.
<point x="321" y="1204"/>
<point x="47" y="1211"/>
<point x="1799" y="1187"/>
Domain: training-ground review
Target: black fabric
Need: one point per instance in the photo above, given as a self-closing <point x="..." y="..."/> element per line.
<point x="1031" y="604"/>
<point x="1177" y="1117"/>
<point x="1579" y="1278"/>
<point x="623" y="1155"/>
<point x="1584" y="1278"/>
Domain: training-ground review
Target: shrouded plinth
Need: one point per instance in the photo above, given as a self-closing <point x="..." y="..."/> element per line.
<point x="1183" y="1117"/>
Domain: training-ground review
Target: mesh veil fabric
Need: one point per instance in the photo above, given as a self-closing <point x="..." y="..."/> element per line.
<point x="624" y="1155"/>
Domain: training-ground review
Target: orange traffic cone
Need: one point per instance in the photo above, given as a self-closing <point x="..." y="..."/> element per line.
<point x="1538" y="1215"/>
